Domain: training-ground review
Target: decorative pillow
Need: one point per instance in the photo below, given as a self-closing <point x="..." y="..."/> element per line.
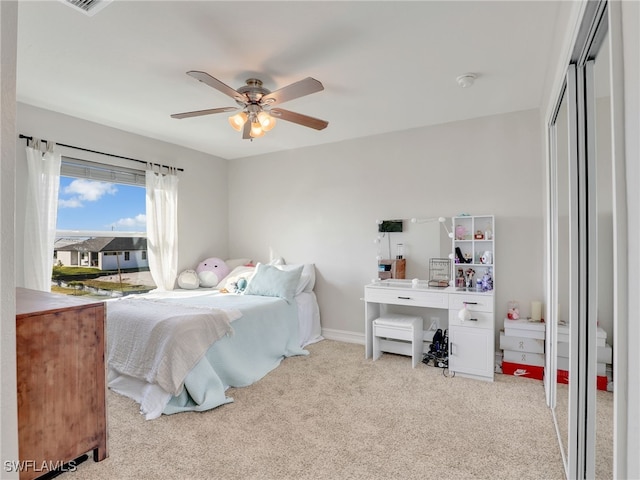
<point x="238" y="262"/>
<point x="307" y="278"/>
<point x="188" y="280"/>
<point x="270" y="281"/>
<point x="277" y="261"/>
<point x="230" y="281"/>
<point x="211" y="271"/>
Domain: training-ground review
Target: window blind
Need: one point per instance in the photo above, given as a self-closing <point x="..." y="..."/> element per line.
<point x="77" y="168"/>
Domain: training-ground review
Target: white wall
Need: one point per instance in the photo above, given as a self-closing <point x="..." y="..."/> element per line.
<point x="630" y="389"/>
<point x="8" y="397"/>
<point x="202" y="204"/>
<point x="320" y="204"/>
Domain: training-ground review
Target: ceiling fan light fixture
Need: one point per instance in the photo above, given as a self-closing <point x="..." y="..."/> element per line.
<point x="256" y="130"/>
<point x="255" y="115"/>
<point x="267" y="122"/>
<point x="238" y="120"/>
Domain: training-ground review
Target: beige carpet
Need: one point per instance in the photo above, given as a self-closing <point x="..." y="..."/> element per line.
<point x="335" y="415"/>
<point x="604" y="428"/>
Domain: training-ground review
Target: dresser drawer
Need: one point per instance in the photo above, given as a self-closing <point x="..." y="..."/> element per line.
<point x="475" y="303"/>
<point x="478" y="319"/>
<point x="418" y="298"/>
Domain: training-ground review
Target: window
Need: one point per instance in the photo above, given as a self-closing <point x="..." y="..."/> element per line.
<point x="101" y="220"/>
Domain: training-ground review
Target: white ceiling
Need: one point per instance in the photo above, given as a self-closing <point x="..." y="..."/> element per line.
<point x="385" y="66"/>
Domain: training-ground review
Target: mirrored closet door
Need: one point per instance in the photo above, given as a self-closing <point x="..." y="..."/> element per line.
<point x="563" y="166"/>
<point x="601" y="259"/>
<point x="581" y="260"/>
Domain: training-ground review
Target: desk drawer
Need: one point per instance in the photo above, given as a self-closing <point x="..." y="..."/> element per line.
<point x="478" y="319"/>
<point x="475" y="303"/>
<point x="418" y="298"/>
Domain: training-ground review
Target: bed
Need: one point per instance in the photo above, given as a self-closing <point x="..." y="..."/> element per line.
<point x="181" y="350"/>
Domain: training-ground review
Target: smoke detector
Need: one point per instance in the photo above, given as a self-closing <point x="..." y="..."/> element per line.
<point x="466" y="80"/>
<point x="88" y="7"/>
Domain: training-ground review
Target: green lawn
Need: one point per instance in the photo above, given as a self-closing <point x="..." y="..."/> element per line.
<point x="63" y="271"/>
<point x="68" y="273"/>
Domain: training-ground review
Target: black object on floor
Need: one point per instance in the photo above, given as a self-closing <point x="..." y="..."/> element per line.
<point x="67" y="467"/>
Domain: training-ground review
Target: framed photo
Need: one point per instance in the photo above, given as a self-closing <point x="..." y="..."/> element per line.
<point x="439" y="272"/>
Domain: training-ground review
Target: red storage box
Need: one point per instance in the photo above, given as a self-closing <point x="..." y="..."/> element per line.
<point x="601" y="380"/>
<point x="563" y="376"/>
<point x="521" y="370"/>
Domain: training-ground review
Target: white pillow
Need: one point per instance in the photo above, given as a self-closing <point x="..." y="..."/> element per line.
<point x="270" y="281"/>
<point x="235" y="275"/>
<point x="307" y="278"/>
<point x="237" y="262"/>
<point x="188" y="280"/>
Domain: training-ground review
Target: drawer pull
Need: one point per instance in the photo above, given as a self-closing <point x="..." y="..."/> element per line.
<point x="404" y="298"/>
<point x="470" y="303"/>
<point x="473" y="319"/>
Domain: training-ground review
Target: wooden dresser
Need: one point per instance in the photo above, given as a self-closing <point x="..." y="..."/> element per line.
<point x="60" y="347"/>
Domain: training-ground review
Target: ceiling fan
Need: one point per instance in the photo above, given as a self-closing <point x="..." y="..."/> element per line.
<point x="256" y="103"/>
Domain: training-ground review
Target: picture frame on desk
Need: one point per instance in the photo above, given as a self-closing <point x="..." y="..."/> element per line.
<point x="439" y="272"/>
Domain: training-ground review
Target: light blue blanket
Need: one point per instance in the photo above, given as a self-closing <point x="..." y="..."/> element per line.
<point x="266" y="333"/>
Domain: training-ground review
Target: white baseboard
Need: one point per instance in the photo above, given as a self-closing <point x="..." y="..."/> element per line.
<point x="343" y="336"/>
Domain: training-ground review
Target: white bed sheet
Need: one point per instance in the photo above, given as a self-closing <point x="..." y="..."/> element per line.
<point x="308" y="309"/>
<point x="153" y="398"/>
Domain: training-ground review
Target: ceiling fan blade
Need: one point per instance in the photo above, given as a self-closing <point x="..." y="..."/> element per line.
<point x="299" y="118"/>
<point x="217" y="84"/>
<point x="246" y="131"/>
<point x="295" y="90"/>
<point x="199" y="113"/>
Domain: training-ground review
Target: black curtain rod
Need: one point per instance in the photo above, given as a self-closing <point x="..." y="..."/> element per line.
<point x="29" y="139"/>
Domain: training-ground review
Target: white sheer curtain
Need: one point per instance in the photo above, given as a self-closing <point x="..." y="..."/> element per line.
<point x="162" y="227"/>
<point x="43" y="183"/>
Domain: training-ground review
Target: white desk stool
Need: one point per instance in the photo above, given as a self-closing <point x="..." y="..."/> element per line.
<point x="396" y="333"/>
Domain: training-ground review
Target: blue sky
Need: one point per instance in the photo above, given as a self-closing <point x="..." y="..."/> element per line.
<point x="92" y="205"/>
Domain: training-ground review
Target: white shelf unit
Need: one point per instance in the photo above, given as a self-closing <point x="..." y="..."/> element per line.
<point x="474" y="240"/>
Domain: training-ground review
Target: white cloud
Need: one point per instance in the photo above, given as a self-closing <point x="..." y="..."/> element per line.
<point x="139" y="220"/>
<point x="89" y="190"/>
<point x="70" y="203"/>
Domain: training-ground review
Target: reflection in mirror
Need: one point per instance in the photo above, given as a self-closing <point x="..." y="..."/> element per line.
<point x="604" y="206"/>
<point x="560" y="190"/>
<point x="420" y="240"/>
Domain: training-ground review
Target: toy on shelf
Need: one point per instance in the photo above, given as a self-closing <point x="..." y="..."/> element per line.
<point x="513" y="311"/>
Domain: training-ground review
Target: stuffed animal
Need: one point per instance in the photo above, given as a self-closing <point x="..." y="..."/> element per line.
<point x="211" y="271"/>
<point x="188" y="280"/>
<point x="240" y="285"/>
<point x="513" y="313"/>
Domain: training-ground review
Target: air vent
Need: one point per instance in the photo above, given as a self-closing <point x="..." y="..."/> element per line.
<point x="88" y="7"/>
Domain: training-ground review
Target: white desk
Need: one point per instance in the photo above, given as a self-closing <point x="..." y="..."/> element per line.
<point x="471" y="342"/>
